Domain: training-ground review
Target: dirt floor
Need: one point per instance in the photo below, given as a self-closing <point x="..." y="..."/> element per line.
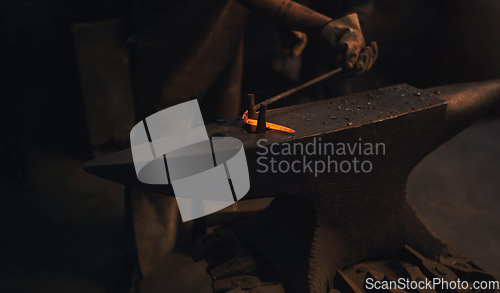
<point x="65" y="234"/>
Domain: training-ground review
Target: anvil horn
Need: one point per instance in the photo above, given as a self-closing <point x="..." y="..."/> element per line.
<point x="466" y="102"/>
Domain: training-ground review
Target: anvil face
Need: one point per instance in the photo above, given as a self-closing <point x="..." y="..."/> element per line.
<point x="328" y="120"/>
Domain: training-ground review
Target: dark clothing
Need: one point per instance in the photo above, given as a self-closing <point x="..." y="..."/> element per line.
<point x="182" y="55"/>
<point x="193" y="46"/>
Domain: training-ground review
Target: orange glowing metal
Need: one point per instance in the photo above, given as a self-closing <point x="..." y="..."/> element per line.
<point x="272" y="126"/>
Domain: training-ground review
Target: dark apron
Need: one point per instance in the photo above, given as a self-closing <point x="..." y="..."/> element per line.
<point x="194" y="46"/>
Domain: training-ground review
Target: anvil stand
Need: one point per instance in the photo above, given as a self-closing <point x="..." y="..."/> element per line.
<point x="318" y="225"/>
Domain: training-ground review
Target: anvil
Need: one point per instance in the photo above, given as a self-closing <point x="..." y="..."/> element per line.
<point x="324" y="220"/>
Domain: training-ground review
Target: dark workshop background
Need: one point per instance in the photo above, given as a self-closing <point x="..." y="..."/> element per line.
<point x="61" y="230"/>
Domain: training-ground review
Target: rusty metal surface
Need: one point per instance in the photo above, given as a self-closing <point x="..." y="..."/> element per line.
<point x="408" y="268"/>
<point x="230" y="264"/>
